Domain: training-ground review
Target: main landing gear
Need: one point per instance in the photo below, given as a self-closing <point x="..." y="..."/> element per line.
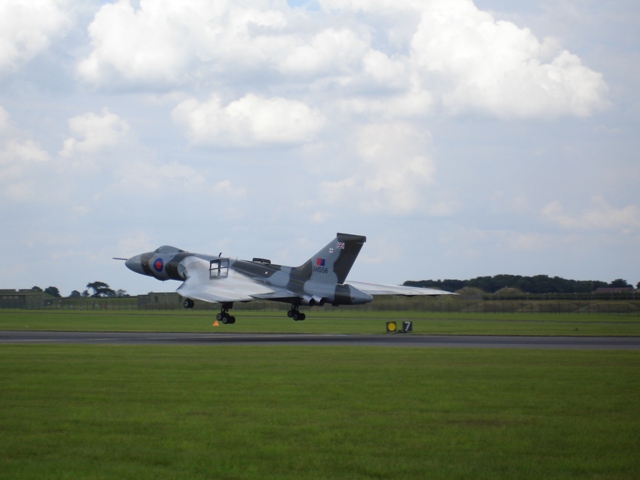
<point x="188" y="303"/>
<point x="224" y="316"/>
<point x="296" y="314"/>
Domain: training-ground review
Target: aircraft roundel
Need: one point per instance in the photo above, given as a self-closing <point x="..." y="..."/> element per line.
<point x="158" y="264"/>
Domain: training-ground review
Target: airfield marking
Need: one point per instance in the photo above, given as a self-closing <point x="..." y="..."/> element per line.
<point x="382" y="340"/>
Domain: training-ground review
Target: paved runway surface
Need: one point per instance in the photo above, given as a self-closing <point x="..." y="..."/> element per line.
<point x="388" y="340"/>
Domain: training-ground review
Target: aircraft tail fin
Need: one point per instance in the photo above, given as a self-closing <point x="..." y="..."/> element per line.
<point x="333" y="263"/>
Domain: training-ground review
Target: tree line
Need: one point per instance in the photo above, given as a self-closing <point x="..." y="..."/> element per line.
<point x="538" y="284"/>
<point x="98" y="290"/>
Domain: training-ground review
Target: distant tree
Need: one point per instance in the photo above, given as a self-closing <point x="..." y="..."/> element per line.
<point x="483" y="283"/>
<point x="538" y="284"/>
<point x="619" y="283"/>
<point x="451" y="285"/>
<point x="36" y="289"/>
<point x="524" y="284"/>
<point x="542" y="284"/>
<point x="423" y="283"/>
<point x="86" y="294"/>
<point x="121" y="293"/>
<point x="101" y="290"/>
<point x="75" y="294"/>
<point x="53" y="291"/>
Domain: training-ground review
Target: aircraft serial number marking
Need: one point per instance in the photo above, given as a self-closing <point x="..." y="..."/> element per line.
<point x="324" y="270"/>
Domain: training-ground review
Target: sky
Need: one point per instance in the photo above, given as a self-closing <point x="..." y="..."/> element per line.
<point x="463" y="138"/>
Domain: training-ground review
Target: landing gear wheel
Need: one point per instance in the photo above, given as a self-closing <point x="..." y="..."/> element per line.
<point x="188" y="303"/>
<point x="296" y="315"/>
<point x="224" y="316"/>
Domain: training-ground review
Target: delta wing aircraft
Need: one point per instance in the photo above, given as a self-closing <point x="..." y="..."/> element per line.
<point x="319" y="280"/>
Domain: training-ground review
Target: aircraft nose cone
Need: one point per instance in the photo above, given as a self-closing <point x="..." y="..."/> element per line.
<point x="135" y="264"/>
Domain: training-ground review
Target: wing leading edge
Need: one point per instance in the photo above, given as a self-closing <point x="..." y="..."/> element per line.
<point x="381" y="289"/>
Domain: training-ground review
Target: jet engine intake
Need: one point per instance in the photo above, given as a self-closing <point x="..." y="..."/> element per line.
<point x="175" y="268"/>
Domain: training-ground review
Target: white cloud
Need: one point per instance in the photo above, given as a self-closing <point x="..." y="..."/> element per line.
<point x="94" y="132"/>
<point x="21" y="161"/>
<point x="4" y="120"/>
<point x="106" y="154"/>
<point x="104" y="162"/>
<point x="331" y="51"/>
<point x="479" y="64"/>
<point x="400" y="170"/>
<point x="379" y="7"/>
<point x="600" y="216"/>
<point x="166" y="44"/>
<point x="16" y="157"/>
<point x="27" y="28"/>
<point x="387" y="71"/>
<point x="471" y="62"/>
<point x="99" y="166"/>
<point x="250" y="121"/>
<point x="383" y="251"/>
<point x="413" y="104"/>
<point x="449" y="52"/>
<point x="140" y="46"/>
<point x="392" y="173"/>
<point x="227" y="189"/>
<point x="151" y="179"/>
<point x="134" y="242"/>
<point x="531" y="241"/>
<point x="320" y="217"/>
<point x="477" y="242"/>
<point x="83" y="168"/>
<point x="163" y="44"/>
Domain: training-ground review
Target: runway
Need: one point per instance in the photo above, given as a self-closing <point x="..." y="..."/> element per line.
<point x="382" y="340"/>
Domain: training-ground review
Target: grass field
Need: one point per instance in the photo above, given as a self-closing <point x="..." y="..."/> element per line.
<point x="103" y="412"/>
<point x="231" y="412"/>
<point x="327" y="320"/>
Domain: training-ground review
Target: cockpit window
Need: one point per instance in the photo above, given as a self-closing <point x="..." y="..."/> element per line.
<point x="168" y="249"/>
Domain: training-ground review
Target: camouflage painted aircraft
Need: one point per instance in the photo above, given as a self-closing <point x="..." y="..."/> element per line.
<point x="319" y="280"/>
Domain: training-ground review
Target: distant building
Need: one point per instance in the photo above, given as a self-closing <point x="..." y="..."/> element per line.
<point x="615" y="290"/>
<point x="25" y="299"/>
<point x="154" y="300"/>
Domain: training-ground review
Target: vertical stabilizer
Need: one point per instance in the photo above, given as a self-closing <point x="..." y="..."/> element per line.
<point x="333" y="263"/>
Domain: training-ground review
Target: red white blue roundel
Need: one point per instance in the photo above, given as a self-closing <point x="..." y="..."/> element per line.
<point x="158" y="264"/>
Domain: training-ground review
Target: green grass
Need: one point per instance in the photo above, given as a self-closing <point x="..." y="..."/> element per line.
<point x="326" y="320"/>
<point x="102" y="412"/>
